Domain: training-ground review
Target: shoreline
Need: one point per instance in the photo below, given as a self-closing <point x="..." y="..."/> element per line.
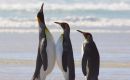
<point x="104" y="64"/>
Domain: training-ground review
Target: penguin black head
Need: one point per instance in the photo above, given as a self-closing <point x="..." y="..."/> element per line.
<point x="87" y="35"/>
<point x="40" y="15"/>
<point x="42" y="26"/>
<point x="65" y="26"/>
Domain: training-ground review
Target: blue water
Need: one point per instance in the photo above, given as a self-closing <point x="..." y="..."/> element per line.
<point x="24" y="73"/>
<point x="13" y="11"/>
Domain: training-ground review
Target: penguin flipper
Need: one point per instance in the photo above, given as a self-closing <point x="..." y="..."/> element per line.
<point x="44" y="54"/>
<point x="71" y="66"/>
<point x="84" y="65"/>
<point x="38" y="65"/>
<point x="64" y="61"/>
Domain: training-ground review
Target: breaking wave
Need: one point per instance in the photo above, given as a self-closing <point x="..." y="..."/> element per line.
<point x="121" y="6"/>
<point x="72" y="20"/>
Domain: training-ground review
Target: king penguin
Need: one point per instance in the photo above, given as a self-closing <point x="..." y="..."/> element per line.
<point x="91" y="58"/>
<point x="64" y="53"/>
<point x="46" y="56"/>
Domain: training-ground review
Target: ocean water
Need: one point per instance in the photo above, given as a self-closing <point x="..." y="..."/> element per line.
<point x="107" y="20"/>
<point x="78" y="13"/>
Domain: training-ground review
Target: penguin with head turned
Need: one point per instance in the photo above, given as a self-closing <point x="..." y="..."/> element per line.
<point x="64" y="53"/>
<point x="91" y="58"/>
<point x="46" y="50"/>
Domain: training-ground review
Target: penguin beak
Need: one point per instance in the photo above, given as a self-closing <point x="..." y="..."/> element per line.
<point x="86" y="34"/>
<point x="58" y="23"/>
<point x="80" y="31"/>
<point x="41" y="10"/>
<point x="40" y="14"/>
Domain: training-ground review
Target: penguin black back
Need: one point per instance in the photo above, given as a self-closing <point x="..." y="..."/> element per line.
<point x="67" y="57"/>
<point x="91" y="58"/>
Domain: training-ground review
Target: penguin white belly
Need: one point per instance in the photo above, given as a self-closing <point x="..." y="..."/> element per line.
<point x="51" y="56"/>
<point x="66" y="74"/>
<point x="51" y="52"/>
<point x="59" y="50"/>
<point x="42" y="74"/>
<point x="82" y="50"/>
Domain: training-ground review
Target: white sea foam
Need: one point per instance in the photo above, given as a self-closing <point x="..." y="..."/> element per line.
<point x="22" y="31"/>
<point x="73" y="21"/>
<point x="74" y="6"/>
<point x="90" y="6"/>
<point x="19" y="6"/>
<point x="5" y="23"/>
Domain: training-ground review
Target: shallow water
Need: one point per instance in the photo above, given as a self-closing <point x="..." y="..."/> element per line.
<point x="19" y="63"/>
<point x="23" y="72"/>
<point x="32" y="56"/>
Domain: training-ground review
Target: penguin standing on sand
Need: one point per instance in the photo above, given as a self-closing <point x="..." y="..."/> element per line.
<point x="65" y="59"/>
<point x="91" y="58"/>
<point x="46" y="51"/>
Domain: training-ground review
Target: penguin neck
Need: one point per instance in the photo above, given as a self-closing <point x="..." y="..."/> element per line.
<point x="88" y="40"/>
<point x="42" y="25"/>
<point x="40" y="17"/>
<point x="42" y="33"/>
<point x="67" y="33"/>
<point x="43" y="21"/>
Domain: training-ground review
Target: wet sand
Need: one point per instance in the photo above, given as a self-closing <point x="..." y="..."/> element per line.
<point x="23" y="70"/>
